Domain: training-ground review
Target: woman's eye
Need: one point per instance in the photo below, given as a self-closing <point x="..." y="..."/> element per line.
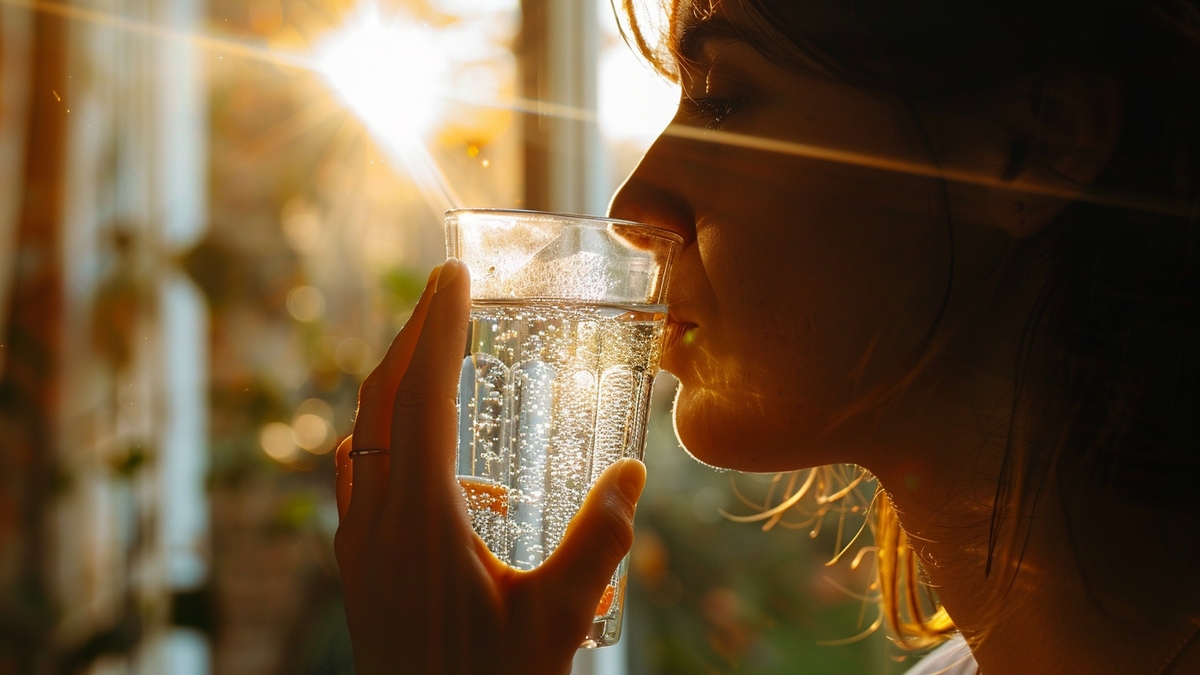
<point x="712" y="111"/>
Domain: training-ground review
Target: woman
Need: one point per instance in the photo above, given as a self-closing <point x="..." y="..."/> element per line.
<point x="950" y="242"/>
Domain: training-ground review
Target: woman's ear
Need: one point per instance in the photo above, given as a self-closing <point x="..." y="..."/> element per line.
<point x="1079" y="121"/>
<point x="1063" y="138"/>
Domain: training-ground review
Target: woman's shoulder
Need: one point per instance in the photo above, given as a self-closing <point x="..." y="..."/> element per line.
<point x="952" y="658"/>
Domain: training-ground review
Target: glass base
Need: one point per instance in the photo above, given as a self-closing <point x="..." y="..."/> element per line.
<point x="605" y="632"/>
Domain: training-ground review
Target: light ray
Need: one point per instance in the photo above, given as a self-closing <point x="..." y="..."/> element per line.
<point x="551" y="109"/>
<point x="531" y="106"/>
<point x="365" y="63"/>
<point x="435" y="188"/>
<point x="293" y="127"/>
<point x="222" y="45"/>
<point x="892" y="165"/>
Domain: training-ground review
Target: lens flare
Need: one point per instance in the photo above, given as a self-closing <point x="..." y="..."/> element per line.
<point x="390" y="72"/>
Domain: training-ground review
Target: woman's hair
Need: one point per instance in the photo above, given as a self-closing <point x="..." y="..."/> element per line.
<point x="1111" y="355"/>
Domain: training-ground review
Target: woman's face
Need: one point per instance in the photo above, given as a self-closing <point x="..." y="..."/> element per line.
<point x="809" y="288"/>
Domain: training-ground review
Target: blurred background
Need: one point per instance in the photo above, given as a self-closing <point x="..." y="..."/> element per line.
<point x="214" y="215"/>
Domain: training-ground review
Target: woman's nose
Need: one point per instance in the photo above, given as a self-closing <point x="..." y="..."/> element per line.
<point x="650" y="196"/>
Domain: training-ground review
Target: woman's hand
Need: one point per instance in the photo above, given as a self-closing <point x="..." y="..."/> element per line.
<point x="423" y="593"/>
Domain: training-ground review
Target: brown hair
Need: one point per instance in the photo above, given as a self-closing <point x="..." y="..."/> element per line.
<point x="1115" y="336"/>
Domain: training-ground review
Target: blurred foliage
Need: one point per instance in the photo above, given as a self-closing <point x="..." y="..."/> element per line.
<point x="124" y="297"/>
<point x="194" y="608"/>
<point x="297" y="514"/>
<point x="403" y="286"/>
<point x="327" y="649"/>
<point x="230" y="274"/>
<point x="129" y="462"/>
<point x="120" y="638"/>
<point x="217" y="272"/>
<point x="238" y="411"/>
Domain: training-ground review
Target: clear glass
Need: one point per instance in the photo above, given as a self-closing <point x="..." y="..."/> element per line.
<point x="566" y="330"/>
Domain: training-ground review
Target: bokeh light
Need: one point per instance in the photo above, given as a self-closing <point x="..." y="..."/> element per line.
<point x="302" y="226"/>
<point x="306" y="304"/>
<point x="311" y="433"/>
<point x="312" y="427"/>
<point x="353" y="356"/>
<point x="277" y="441"/>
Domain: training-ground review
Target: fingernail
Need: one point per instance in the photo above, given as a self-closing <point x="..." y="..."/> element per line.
<point x="449" y="270"/>
<point x="631" y="478"/>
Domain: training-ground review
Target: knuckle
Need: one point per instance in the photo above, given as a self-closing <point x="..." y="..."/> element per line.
<point x="419" y="394"/>
<point x="411" y="394"/>
<point x="617" y="527"/>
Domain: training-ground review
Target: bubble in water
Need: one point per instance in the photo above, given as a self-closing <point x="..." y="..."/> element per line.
<point x="550" y="396"/>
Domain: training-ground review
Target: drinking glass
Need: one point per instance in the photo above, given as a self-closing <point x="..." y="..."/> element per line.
<point x="565" y="336"/>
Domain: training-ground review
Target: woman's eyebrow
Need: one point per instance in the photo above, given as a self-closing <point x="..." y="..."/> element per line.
<point x="696" y="33"/>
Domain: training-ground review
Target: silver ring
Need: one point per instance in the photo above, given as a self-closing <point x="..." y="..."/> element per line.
<point x="355" y="454"/>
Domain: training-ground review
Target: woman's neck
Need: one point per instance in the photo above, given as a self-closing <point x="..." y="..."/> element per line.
<point x="1062" y="582"/>
<point x="1121" y="611"/>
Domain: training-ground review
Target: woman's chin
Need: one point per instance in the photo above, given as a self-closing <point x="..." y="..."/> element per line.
<point x="731" y="430"/>
<point x="721" y="435"/>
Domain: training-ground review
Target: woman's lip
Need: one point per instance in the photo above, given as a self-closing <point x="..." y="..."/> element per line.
<point x="675" y="332"/>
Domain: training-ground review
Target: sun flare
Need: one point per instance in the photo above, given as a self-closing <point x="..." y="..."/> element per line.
<point x="391" y="72"/>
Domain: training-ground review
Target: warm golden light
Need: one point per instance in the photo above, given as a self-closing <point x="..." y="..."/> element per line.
<point x="306" y="304"/>
<point x="394" y="74"/>
<point x="635" y="103"/>
<point x="312" y="433"/>
<point x="278" y="442"/>
<point x="390" y="71"/>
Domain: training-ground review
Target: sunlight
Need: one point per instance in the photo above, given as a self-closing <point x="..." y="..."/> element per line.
<point x="635" y="103"/>
<point x="391" y="73"/>
<point x="370" y="51"/>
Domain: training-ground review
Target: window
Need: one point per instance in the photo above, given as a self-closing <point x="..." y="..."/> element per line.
<point x="213" y="218"/>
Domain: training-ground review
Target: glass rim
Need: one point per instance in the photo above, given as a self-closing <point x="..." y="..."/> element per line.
<point x="582" y="219"/>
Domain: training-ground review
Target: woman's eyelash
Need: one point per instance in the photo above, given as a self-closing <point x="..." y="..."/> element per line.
<point x="712" y="110"/>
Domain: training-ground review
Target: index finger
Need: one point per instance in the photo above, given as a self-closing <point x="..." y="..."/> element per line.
<point x="372" y="426"/>
<point x="424" y="412"/>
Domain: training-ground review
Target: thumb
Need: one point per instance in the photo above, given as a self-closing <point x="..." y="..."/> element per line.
<point x="597" y="539"/>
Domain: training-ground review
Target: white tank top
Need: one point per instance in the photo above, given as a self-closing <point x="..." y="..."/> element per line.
<point x="952" y="658"/>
